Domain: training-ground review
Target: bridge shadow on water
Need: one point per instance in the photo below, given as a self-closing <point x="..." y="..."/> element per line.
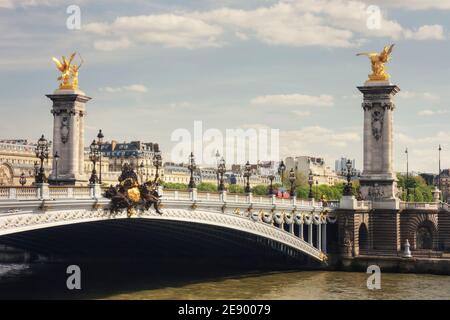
<point x="129" y="255"/>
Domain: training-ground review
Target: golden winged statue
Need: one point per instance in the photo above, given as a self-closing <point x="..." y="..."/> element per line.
<point x="69" y="72"/>
<point x="378" y="60"/>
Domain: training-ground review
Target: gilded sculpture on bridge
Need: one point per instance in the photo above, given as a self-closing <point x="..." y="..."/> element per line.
<point x="130" y="195"/>
<point x="378" y="60"/>
<point x="69" y="72"/>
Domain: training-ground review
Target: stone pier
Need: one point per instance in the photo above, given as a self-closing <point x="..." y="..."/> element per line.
<point x="69" y="110"/>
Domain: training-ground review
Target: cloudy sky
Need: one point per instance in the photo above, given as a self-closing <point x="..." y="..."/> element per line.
<point x="152" y="66"/>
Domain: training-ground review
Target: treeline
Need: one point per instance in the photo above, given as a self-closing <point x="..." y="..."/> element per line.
<point x="319" y="191"/>
<point x="419" y="191"/>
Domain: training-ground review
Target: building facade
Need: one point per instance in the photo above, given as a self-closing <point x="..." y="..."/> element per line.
<point x="303" y="165"/>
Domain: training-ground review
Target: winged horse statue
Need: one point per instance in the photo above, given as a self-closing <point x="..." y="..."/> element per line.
<point x="378" y="60"/>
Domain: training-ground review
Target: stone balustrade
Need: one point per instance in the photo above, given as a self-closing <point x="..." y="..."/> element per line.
<point x="44" y="192"/>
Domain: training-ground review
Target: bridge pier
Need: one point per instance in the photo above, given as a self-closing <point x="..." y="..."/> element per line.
<point x="324" y="237"/>
<point x="310" y="233"/>
<point x="319" y="236"/>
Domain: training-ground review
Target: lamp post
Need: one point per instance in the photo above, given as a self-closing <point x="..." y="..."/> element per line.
<point x="348" y="189"/>
<point x="41" y="153"/>
<point x="217" y="172"/>
<point x="439" y="173"/>
<point x="292" y="179"/>
<point x="56" y="158"/>
<point x="191" y="168"/>
<point x="271" y="177"/>
<point x="407" y="175"/>
<point x="141" y="171"/>
<point x="310" y="182"/>
<point x="36" y="171"/>
<point x="93" y="156"/>
<point x="281" y="169"/>
<point x="157" y="163"/>
<point x="22" y="179"/>
<point x="221" y="167"/>
<point x="247" y="174"/>
<point x="100" y="137"/>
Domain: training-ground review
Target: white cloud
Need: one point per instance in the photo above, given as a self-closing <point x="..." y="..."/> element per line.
<point x="139" y="88"/>
<point x="414" y="4"/>
<point x="421" y="95"/>
<point x="169" y="30"/>
<point x="296" y="23"/>
<point x="318" y="141"/>
<point x="426" y="32"/>
<point x="294" y="100"/>
<point x="11" y="4"/>
<point x="301" y="114"/>
<point x="429" y="112"/>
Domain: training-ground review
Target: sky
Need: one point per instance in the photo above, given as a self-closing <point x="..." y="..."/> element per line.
<point x="152" y="67"/>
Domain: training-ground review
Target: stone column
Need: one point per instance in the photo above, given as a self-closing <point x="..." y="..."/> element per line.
<point x="69" y="107"/>
<point x="378" y="180"/>
<point x="301" y="231"/>
<point x="319" y="236"/>
<point x="310" y="233"/>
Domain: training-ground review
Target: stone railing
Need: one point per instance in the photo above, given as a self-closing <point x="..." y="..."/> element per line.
<point x="423" y="205"/>
<point x="169" y="194"/>
<point x="46" y="192"/>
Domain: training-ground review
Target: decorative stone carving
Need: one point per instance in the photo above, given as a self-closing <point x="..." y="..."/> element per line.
<point x="64" y="129"/>
<point x="376" y="192"/>
<point x="377" y="122"/>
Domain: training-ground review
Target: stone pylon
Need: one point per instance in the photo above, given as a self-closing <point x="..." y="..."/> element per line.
<point x="378" y="180"/>
<point x="69" y="110"/>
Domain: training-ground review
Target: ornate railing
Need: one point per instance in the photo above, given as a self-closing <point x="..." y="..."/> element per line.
<point x="423" y="205"/>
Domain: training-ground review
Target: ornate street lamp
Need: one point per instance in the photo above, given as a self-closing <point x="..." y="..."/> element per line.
<point x="100" y="137"/>
<point x="407" y="175"/>
<point x="271" y="177"/>
<point x="247" y="174"/>
<point x="281" y="169"/>
<point x="141" y="171"/>
<point x="36" y="171"/>
<point x="93" y="156"/>
<point x="191" y="168"/>
<point x="439" y="173"/>
<point x="22" y="179"/>
<point x="217" y="172"/>
<point x="56" y="158"/>
<point x="292" y="179"/>
<point x="220" y="171"/>
<point x="348" y="189"/>
<point x="310" y="182"/>
<point x="157" y="163"/>
<point x="41" y="153"/>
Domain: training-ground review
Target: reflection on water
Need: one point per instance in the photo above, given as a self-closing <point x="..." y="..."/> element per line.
<point x="108" y="281"/>
<point x="305" y="285"/>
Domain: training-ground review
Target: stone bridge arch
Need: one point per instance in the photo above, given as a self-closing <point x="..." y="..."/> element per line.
<point x="273" y="237"/>
<point x="419" y="227"/>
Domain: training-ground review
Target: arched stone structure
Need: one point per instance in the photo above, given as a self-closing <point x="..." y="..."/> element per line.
<point x="422" y="226"/>
<point x="363" y="238"/>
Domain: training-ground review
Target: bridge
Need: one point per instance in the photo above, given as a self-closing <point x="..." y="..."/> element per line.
<point x="295" y="228"/>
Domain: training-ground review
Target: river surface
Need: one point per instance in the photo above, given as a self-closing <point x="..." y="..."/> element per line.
<point x="102" y="281"/>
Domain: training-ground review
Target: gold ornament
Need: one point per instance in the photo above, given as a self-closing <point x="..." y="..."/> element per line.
<point x="69" y="72"/>
<point x="378" y="60"/>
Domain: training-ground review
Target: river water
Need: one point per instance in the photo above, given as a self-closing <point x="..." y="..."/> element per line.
<point x="130" y="282"/>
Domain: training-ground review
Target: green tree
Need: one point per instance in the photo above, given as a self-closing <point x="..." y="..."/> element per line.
<point x="207" y="187"/>
<point x="260" y="190"/>
<point x="235" y="188"/>
<point x="175" y="186"/>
